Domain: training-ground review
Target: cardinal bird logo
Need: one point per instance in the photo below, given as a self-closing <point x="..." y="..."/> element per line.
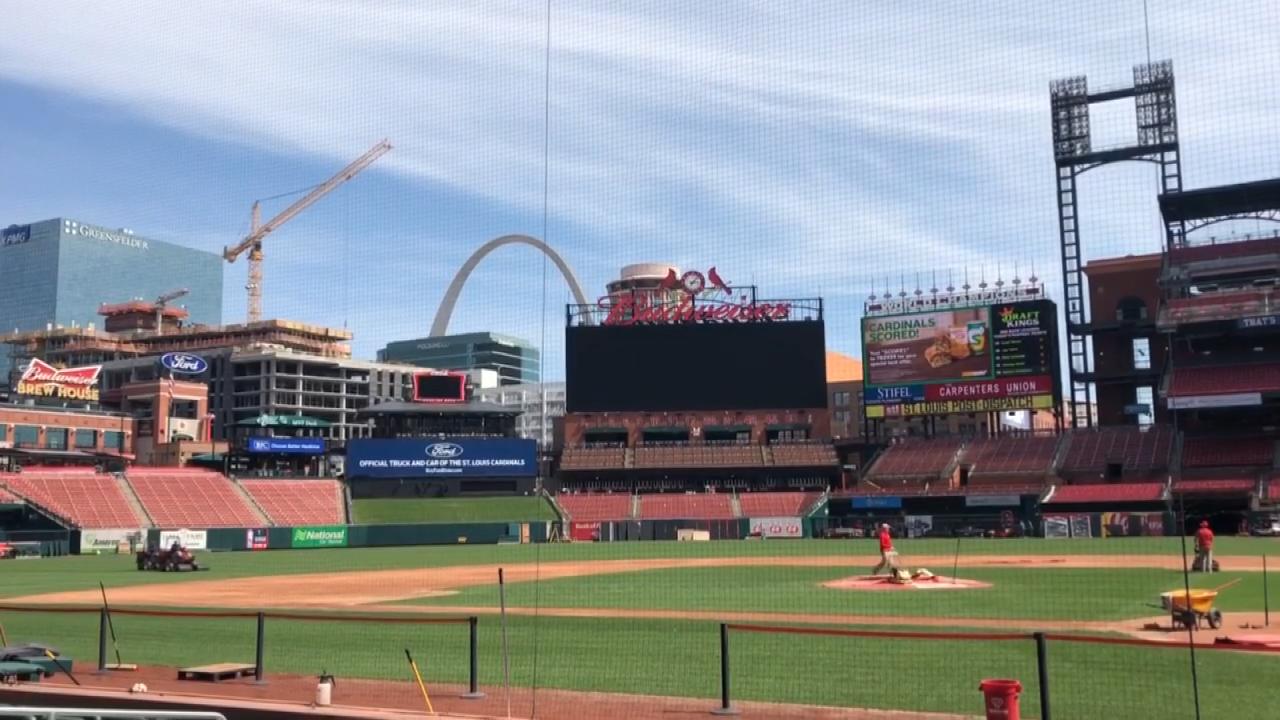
<point x="713" y="277"/>
<point x="671" y="281"/>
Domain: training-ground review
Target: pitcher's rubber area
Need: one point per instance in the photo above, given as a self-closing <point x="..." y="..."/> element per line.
<point x="353" y="698"/>
<point x="878" y="583"/>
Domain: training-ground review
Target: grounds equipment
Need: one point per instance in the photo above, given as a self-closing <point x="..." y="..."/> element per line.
<point x="1188" y="609"/>
<point x="168" y="560"/>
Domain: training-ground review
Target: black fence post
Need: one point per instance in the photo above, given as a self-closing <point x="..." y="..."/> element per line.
<point x="102" y="641"/>
<point x="1266" y="598"/>
<point x="726" y="708"/>
<point x="259" y="651"/>
<point x="473" y="686"/>
<point x="1042" y="666"/>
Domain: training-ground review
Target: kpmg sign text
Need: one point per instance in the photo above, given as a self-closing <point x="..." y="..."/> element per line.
<point x="286" y="446"/>
<point x="462" y="457"/>
<point x="15" y="235"/>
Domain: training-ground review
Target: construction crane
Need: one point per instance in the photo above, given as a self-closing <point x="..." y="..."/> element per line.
<point x="162" y="302"/>
<point x="259" y="230"/>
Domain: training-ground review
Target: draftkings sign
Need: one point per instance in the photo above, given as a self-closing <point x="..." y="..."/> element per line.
<point x="44" y="380"/>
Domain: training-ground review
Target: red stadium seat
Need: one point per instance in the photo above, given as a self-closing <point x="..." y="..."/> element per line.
<point x="191" y="498"/>
<point x="923" y="460"/>
<point x="1217" y="487"/>
<point x="298" y="502"/>
<point x="777" y="504"/>
<point x="81" y="497"/>
<point x="6" y="496"/>
<point x="1138" y="451"/>
<point x="593" y="458"/>
<point x="1211" y="452"/>
<point x="1106" y="493"/>
<point x="1225" y="379"/>
<point x="1014" y="460"/>
<point x="803" y="455"/>
<point x="711" y="506"/>
<point x="596" y="507"/>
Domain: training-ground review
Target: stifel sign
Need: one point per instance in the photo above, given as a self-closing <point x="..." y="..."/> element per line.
<point x="45" y="380"/>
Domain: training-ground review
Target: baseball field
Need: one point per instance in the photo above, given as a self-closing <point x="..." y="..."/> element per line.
<point x="621" y="628"/>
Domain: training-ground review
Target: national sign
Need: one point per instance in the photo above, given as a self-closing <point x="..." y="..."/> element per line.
<point x="44" y="380"/>
<point x="184" y="363"/>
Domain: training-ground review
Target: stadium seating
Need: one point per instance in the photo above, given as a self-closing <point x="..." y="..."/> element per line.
<point x="1216" y="486"/>
<point x="83" y="498"/>
<point x="593" y="458"/>
<point x="191" y="498"/>
<point x="596" y="507"/>
<point x="1273" y="490"/>
<point x="1227" y="250"/>
<point x="298" y="502"/>
<point x="777" y="504"/>
<point x="915" y="459"/>
<point x="6" y="496"/>
<point x="1009" y="459"/>
<point x="1106" y="493"/>
<point x="710" y="506"/>
<point x="690" y="456"/>
<point x="1225" y="379"/>
<point x="1139" y="451"/>
<point x="803" y="454"/>
<point x="1208" y="452"/>
<point x="1211" y="307"/>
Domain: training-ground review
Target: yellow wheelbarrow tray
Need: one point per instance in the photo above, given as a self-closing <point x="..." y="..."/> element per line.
<point x="1189" y="608"/>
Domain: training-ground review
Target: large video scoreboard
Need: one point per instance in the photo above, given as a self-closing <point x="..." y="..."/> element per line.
<point x="967" y="360"/>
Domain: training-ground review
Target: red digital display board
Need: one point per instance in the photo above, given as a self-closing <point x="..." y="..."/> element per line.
<point x="440" y="387"/>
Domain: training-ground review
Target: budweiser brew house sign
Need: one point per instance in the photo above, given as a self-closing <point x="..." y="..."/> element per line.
<point x="690" y="298"/>
<point x="44" y="380"/>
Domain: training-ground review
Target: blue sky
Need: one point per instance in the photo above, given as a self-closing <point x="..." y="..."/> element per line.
<point x="813" y="149"/>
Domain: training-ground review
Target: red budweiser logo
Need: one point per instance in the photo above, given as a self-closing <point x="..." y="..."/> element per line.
<point x="40" y="372"/>
<point x="631" y="310"/>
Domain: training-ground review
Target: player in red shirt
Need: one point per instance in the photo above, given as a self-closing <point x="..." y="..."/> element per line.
<point x="1204" y="547"/>
<point x="888" y="556"/>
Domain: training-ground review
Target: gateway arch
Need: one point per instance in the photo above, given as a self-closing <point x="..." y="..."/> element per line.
<point x="440" y="325"/>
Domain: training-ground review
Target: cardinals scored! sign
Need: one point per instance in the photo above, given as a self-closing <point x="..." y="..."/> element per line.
<point x="716" y="304"/>
<point x="45" y="380"/>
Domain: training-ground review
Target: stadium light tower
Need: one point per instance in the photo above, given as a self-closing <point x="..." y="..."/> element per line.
<point x="1073" y="154"/>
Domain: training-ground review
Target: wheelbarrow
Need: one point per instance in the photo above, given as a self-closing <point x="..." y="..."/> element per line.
<point x="1188" y="609"/>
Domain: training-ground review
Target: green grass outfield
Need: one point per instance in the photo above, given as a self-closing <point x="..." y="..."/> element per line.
<point x="679" y="657"/>
<point x="391" y="511"/>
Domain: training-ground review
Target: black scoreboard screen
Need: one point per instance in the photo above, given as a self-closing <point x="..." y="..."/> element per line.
<point x="678" y="367"/>
<point x="440" y="388"/>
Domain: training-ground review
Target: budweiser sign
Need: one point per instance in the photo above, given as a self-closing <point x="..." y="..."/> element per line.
<point x="698" y="298"/>
<point x="45" y="380"/>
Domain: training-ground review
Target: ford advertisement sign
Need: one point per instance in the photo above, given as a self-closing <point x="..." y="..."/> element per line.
<point x="286" y="446"/>
<point x="184" y="363"/>
<point x="422" y="457"/>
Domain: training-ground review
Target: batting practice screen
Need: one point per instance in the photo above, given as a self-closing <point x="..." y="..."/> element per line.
<point x="729" y="366"/>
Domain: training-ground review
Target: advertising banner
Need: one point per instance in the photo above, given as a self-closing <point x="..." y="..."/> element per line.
<point x="1026" y="402"/>
<point x="1057" y="526"/>
<point x="256" y="539"/>
<point x="928" y="347"/>
<point x="320" y="536"/>
<point x="1117" y="524"/>
<point x="461" y="457"/>
<point x="919" y="525"/>
<point x="286" y="446"/>
<point x="1081" y="526"/>
<point x="584" y="531"/>
<point x="1257" y="323"/>
<point x="1249" y="399"/>
<point x="777" y="527"/>
<point x="108" y="540"/>
<point x="992" y="500"/>
<point x="44" y="380"/>
<point x="877" y="503"/>
<point x="189" y="539"/>
<point x="920" y="363"/>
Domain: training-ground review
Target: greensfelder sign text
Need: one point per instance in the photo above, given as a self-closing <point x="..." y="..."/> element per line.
<point x="320" y="536"/>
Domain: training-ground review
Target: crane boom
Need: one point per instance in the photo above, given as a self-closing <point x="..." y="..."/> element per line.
<point x="253" y="241"/>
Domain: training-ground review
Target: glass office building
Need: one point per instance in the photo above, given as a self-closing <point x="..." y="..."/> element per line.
<point x="515" y="360"/>
<point x="60" y="271"/>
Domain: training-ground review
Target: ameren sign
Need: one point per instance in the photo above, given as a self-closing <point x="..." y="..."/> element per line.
<point x="44" y="380"/>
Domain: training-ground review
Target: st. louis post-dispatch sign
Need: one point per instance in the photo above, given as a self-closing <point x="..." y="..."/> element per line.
<point x="946" y="407"/>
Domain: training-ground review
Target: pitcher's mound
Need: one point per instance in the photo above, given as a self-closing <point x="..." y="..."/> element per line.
<point x="882" y="582"/>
